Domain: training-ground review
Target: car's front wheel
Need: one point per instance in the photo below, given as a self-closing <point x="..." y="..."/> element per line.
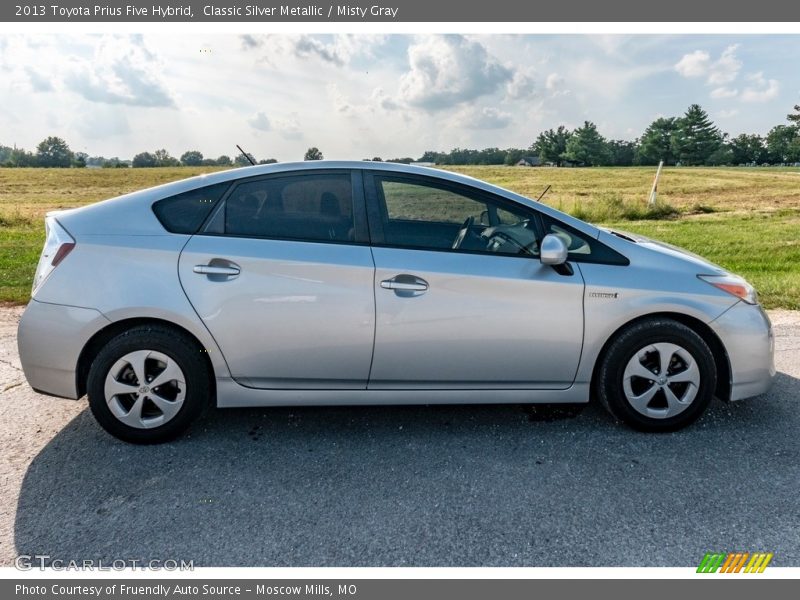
<point x="657" y="375"/>
<point x="147" y="384"/>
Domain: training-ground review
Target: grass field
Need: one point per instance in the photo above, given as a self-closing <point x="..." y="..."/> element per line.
<point x="747" y="220"/>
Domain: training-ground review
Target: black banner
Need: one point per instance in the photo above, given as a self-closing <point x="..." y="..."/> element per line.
<point x="497" y="11"/>
<point x="392" y="589"/>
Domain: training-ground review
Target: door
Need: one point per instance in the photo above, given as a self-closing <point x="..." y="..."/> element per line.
<point x="462" y="300"/>
<point x="282" y="278"/>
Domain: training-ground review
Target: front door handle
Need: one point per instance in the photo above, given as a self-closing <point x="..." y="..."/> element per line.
<point x="216" y="270"/>
<point x="405" y="283"/>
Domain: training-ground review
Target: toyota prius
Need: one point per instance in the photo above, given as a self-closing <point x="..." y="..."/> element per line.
<point x="332" y="283"/>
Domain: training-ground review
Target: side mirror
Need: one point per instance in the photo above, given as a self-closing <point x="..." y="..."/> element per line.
<point x="553" y="250"/>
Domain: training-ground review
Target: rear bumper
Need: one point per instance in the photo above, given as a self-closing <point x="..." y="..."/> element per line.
<point x="746" y="332"/>
<point x="50" y="339"/>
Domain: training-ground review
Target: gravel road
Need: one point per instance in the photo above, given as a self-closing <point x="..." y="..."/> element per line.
<point x="413" y="486"/>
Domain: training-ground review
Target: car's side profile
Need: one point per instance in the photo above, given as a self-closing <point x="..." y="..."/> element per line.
<point x="369" y="283"/>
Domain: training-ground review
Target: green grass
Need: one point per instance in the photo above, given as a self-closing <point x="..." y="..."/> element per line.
<point x="747" y="220"/>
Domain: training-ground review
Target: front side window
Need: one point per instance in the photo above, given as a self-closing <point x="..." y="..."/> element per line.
<point x="419" y="215"/>
<point x="299" y="207"/>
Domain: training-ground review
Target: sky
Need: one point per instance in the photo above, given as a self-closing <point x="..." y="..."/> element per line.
<point x="357" y="96"/>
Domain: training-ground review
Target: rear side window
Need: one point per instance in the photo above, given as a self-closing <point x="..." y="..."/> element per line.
<point x="185" y="213"/>
<point x="301" y="207"/>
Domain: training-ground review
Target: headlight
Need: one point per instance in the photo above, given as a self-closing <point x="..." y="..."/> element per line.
<point x="734" y="285"/>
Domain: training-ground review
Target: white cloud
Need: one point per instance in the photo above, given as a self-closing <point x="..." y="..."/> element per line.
<point x="694" y="64"/>
<point x="483" y="118"/>
<point x="722" y="71"/>
<point x="39" y="81"/>
<point x="761" y="90"/>
<point x="339" y="51"/>
<point x="380" y="98"/>
<point x="522" y="85"/>
<point x="259" y="121"/>
<point x="122" y="71"/>
<point x="726" y="69"/>
<point x="724" y="92"/>
<point x="727" y="114"/>
<point x="448" y="70"/>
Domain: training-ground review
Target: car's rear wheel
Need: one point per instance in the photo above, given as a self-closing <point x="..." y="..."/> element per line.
<point x="657" y="375"/>
<point x="148" y="384"/>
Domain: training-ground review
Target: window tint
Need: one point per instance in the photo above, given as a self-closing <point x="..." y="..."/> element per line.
<point x="581" y="247"/>
<point x="186" y="212"/>
<point x="300" y="207"/>
<point x="418" y="215"/>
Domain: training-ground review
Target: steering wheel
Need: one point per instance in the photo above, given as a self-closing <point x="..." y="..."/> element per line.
<point x="507" y="239"/>
<point x="462" y="233"/>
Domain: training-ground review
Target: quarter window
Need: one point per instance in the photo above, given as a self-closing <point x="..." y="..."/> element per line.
<point x="185" y="213"/>
<point x="303" y="207"/>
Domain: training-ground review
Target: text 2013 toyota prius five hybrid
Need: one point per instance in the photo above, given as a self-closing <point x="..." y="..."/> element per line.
<point x="372" y="283"/>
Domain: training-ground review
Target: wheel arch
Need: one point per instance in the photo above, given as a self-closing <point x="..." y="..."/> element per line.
<point x="718" y="352"/>
<point x="107" y="333"/>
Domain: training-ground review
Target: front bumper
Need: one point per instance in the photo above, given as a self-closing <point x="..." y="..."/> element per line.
<point x="746" y="332"/>
<point x="50" y="339"/>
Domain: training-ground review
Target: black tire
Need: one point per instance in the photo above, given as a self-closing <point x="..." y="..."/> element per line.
<point x="609" y="385"/>
<point x="175" y="345"/>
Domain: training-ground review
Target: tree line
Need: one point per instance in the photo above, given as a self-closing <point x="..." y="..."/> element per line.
<point x="691" y="139"/>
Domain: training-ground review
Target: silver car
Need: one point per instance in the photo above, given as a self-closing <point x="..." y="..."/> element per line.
<point x="322" y="283"/>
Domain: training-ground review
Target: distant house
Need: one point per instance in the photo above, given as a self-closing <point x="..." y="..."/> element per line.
<point x="423" y="164"/>
<point x="529" y="161"/>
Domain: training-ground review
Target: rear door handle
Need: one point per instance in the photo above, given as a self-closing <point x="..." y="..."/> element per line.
<point x="405" y="283"/>
<point x="216" y="270"/>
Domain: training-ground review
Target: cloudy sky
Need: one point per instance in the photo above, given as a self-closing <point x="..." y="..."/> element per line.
<point x="357" y="96"/>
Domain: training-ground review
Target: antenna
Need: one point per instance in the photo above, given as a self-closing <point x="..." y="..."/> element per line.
<point x="246" y="155"/>
<point x="547" y="189"/>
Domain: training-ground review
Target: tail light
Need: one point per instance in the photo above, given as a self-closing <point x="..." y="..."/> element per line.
<point x="58" y="244"/>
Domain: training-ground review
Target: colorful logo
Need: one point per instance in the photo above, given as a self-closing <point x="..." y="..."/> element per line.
<point x="734" y="562"/>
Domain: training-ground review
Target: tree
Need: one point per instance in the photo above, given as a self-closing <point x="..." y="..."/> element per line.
<point x="721" y="156"/>
<point x="144" y="159"/>
<point x="587" y="147"/>
<point x="430" y="156"/>
<point x="795" y="118"/>
<point x="268" y="161"/>
<point x="783" y="144"/>
<point x="746" y="149"/>
<point x="224" y="161"/>
<point x="656" y="143"/>
<point x="79" y="160"/>
<point x="621" y="153"/>
<point x="551" y="145"/>
<point x="696" y="138"/>
<point x="165" y="159"/>
<point x="192" y="158"/>
<point x="5" y="154"/>
<point x="514" y="155"/>
<point x="21" y="158"/>
<point x="313" y="154"/>
<point x="53" y="152"/>
<point x="241" y="160"/>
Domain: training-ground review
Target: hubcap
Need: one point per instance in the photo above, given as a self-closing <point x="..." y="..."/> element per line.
<point x="145" y="389"/>
<point x="661" y="380"/>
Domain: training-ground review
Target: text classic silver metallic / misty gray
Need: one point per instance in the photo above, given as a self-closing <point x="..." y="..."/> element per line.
<point x="373" y="283"/>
